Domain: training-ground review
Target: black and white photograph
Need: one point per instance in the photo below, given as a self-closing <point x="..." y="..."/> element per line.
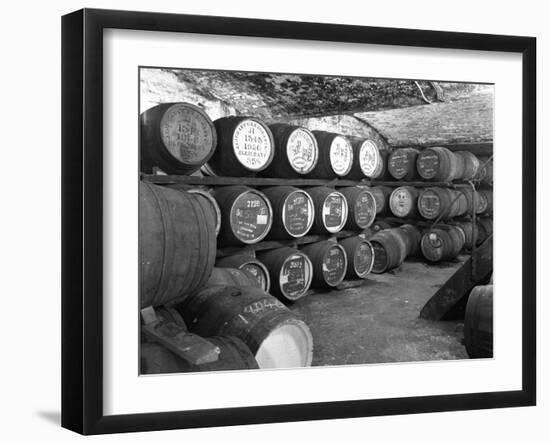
<point x="292" y="220"/>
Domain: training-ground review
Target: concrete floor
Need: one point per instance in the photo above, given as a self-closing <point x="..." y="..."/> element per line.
<point x="378" y="322"/>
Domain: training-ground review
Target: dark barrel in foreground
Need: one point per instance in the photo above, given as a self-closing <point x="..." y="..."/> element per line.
<point x="250" y="265"/>
<point x="178" y="138"/>
<point x="329" y="263"/>
<point x="245" y="147"/>
<point x="234" y="354"/>
<point x="177" y="244"/>
<point x="290" y="271"/>
<point x="276" y="336"/>
<point x="246" y="215"/>
<point x="478" y="322"/>
<point x="391" y="247"/>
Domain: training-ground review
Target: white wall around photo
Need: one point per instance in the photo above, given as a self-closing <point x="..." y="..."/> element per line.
<point x="30" y="107"/>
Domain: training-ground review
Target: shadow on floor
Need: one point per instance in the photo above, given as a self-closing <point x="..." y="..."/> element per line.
<point x="54" y="417"/>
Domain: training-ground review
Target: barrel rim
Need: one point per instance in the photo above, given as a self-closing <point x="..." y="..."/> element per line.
<point x="345" y="267"/>
<point x="345" y="214"/>
<point x="208" y="120"/>
<point x="269" y="218"/>
<point x="368" y="271"/>
<point x="316" y="149"/>
<point x="271" y="139"/>
<point x="350" y="149"/>
<point x="256" y="262"/>
<point x="369" y="143"/>
<point x="310" y="279"/>
<point x="311" y="207"/>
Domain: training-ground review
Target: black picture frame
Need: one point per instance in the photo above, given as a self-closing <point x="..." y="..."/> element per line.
<point x="82" y="220"/>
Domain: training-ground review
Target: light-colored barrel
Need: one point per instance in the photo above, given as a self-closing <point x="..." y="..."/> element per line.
<point x="331" y="210"/>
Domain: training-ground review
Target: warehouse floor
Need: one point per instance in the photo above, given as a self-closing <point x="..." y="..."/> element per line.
<point x="379" y="321"/>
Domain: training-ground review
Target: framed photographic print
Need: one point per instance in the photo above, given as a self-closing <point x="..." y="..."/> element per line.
<point x="270" y="221"/>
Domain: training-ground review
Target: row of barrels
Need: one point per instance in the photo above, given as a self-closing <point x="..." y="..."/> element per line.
<point x="244" y="215"/>
<point x="178" y="247"/>
<point x="433" y="202"/>
<point x="177" y="234"/>
<point x="180" y="138"/>
<point x="442" y="242"/>
<point x="288" y="273"/>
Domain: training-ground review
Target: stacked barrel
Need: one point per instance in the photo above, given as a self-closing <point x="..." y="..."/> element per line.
<point x="230" y="257"/>
<point x="217" y="254"/>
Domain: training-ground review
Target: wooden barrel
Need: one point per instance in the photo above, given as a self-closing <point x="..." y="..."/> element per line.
<point x="367" y="161"/>
<point x="471" y="165"/>
<point x="254" y="268"/>
<point x="485" y="202"/>
<point x="437" y="164"/>
<point x="296" y="152"/>
<point x="472" y="200"/>
<point x="331" y="210"/>
<point x="231" y="277"/>
<point x="293" y="212"/>
<point x="478" y="322"/>
<point x="246" y="215"/>
<point x="471" y="233"/>
<point x="177" y="244"/>
<point x="442" y="243"/>
<point x="444" y="202"/>
<point x="402" y="163"/>
<point x="390" y="250"/>
<point x="234" y="354"/>
<point x="210" y="200"/>
<point x="245" y="147"/>
<point x="412" y="238"/>
<point x="403" y="202"/>
<point x="360" y="256"/>
<point x="485" y="174"/>
<point x="335" y="156"/>
<point x="290" y="270"/>
<point x="178" y="138"/>
<point x="486" y="225"/>
<point x="381" y="224"/>
<point x="361" y="207"/>
<point x="382" y="196"/>
<point x="275" y="335"/>
<point x="329" y="262"/>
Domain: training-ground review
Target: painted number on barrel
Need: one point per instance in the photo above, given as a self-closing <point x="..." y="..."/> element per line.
<point x="295" y="276"/>
<point x="187" y="134"/>
<point x="252" y="145"/>
<point x="362" y="259"/>
<point x="249" y="217"/>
